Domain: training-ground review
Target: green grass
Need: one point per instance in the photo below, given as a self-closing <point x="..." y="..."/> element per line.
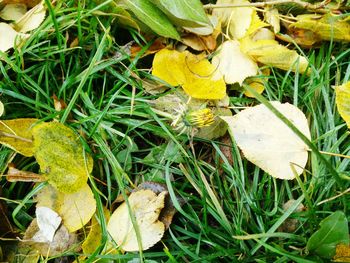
<point x="233" y="212"/>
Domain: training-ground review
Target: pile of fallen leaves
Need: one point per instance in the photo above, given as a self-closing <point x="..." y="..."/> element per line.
<point x="200" y="53"/>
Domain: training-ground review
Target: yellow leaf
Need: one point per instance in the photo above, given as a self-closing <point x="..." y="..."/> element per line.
<point x="268" y="142"/>
<point x="32" y="19"/>
<point x="61" y="156"/>
<point x="326" y="27"/>
<point x="13" y="11"/>
<point x="257" y="83"/>
<point x="237" y="20"/>
<point x="271" y="53"/>
<point x="198" y="77"/>
<point x="75" y="209"/>
<point x="93" y="239"/>
<point x="342" y="253"/>
<point x="233" y="64"/>
<point x="272" y="17"/>
<point x="168" y="65"/>
<point x="255" y="24"/>
<point x="17" y="134"/>
<point x="342" y="99"/>
<point x="145" y="206"/>
<point x="9" y="37"/>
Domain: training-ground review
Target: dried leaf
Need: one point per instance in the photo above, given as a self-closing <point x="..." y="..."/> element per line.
<point x="233" y="64"/>
<point x="17" y="134"/>
<point x="75" y="209"/>
<point x="6" y="229"/>
<point x="257" y="83"/>
<point x="48" y="222"/>
<point x="271" y="53"/>
<point x="61" y="156"/>
<point x="198" y="77"/>
<point x="93" y="239"/>
<point x="268" y="142"/>
<point x="9" y="37"/>
<point x="326" y="27"/>
<point x="15" y="175"/>
<point x="145" y="206"/>
<point x="237" y="20"/>
<point x="272" y="17"/>
<point x="32" y="19"/>
<point x="13" y="12"/>
<point x="342" y="99"/>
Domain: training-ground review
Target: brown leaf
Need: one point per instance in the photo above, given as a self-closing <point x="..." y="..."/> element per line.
<point x="29" y="3"/>
<point x="6" y="229"/>
<point x="15" y="175"/>
<point x="342" y="253"/>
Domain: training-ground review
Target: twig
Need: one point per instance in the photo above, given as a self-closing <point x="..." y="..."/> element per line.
<point x="314" y="7"/>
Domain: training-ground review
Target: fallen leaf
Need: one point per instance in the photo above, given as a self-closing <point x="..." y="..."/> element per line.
<point x="326" y="27"/>
<point x="17" y="135"/>
<point x="237" y="20"/>
<point x="291" y="224"/>
<point x="29" y="3"/>
<point x="342" y="98"/>
<point x="32" y="19"/>
<point x="145" y="206"/>
<point x="270" y="52"/>
<point x="198" y="77"/>
<point x="15" y="175"/>
<point x="13" y="12"/>
<point x="9" y="37"/>
<point x="342" y="253"/>
<point x="6" y="229"/>
<point x="333" y="230"/>
<point x="268" y="142"/>
<point x="75" y="209"/>
<point x="62" y="241"/>
<point x="272" y="17"/>
<point x="233" y="64"/>
<point x="48" y="222"/>
<point x="61" y="156"/>
<point x="257" y="83"/>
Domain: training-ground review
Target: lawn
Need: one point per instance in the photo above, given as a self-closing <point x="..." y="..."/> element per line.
<point x="76" y="69"/>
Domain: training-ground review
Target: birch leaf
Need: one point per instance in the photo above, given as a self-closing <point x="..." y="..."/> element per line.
<point x="13" y="12"/>
<point x="75" y="209"/>
<point x="145" y="206"/>
<point x="61" y="156"/>
<point x="342" y="99"/>
<point x="32" y="19"/>
<point x="17" y="134"/>
<point x="269" y="143"/>
<point x="326" y="27"/>
<point x="237" y="20"/>
<point x="233" y="64"/>
<point x="270" y="52"/>
<point x="197" y="76"/>
<point x="9" y="36"/>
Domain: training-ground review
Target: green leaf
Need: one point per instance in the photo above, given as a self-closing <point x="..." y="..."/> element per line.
<point x="153" y="17"/>
<point x="61" y="156"/>
<point x="17" y="135"/>
<point x="333" y="231"/>
<point x="187" y="13"/>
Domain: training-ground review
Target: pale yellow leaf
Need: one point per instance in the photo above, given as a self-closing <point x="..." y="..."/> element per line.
<point x="233" y="64"/>
<point x="268" y="142"/>
<point x="32" y="19"/>
<point x="271" y="53"/>
<point x="342" y="98"/>
<point x="75" y="209"/>
<point x="257" y="83"/>
<point x="13" y="12"/>
<point x="2" y="108"/>
<point x="9" y="36"/>
<point x="255" y="24"/>
<point x="145" y="206"/>
<point x="272" y="17"/>
<point x="237" y="20"/>
<point x="48" y="222"/>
